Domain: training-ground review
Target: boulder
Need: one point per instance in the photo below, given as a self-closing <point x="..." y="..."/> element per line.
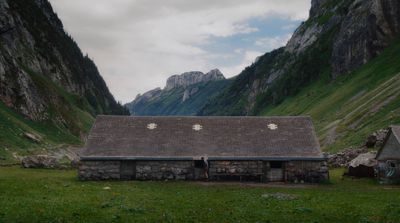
<point x="33" y="137"/>
<point x="40" y="161"/>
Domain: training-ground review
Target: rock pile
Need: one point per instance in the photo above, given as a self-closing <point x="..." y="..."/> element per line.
<point x="376" y="139"/>
<point x="59" y="159"/>
<point x="342" y="158"/>
<point x="40" y="161"/>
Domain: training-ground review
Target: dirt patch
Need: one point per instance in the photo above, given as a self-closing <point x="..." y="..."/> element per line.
<point x="280" y="196"/>
<point x="254" y="184"/>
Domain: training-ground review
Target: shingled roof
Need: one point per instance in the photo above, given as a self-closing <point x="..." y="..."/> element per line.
<point x="187" y="138"/>
<point x="396" y="131"/>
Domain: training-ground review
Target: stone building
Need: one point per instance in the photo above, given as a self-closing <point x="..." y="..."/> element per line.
<point x="388" y="158"/>
<point x="237" y="148"/>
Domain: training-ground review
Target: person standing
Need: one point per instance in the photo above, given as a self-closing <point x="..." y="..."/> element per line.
<point x="205" y="167"/>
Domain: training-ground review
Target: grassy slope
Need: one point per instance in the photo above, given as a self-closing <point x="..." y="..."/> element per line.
<point x="28" y="195"/>
<point x="351" y="107"/>
<point x="13" y="126"/>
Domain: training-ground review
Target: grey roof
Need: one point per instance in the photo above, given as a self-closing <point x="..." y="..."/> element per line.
<point x="130" y="137"/>
<point x="396" y="131"/>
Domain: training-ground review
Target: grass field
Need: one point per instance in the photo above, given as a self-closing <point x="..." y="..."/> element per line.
<point x="28" y="195"/>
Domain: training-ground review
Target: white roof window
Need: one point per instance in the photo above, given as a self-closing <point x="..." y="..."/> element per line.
<point x="152" y="126"/>
<point x="197" y="127"/>
<point x="273" y="126"/>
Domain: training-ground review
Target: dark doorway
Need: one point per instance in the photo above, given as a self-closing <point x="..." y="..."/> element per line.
<point x="128" y="170"/>
<point x="199" y="170"/>
<point x="276" y="164"/>
<point x="275" y="172"/>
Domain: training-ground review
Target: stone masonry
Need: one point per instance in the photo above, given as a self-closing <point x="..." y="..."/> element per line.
<point x="232" y="169"/>
<point x="145" y="170"/>
<point x="293" y="171"/>
<point x="99" y="170"/>
<point x="306" y="171"/>
<point x="165" y="170"/>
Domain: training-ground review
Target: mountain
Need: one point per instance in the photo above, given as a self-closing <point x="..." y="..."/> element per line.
<point x="48" y="88"/>
<point x="184" y="94"/>
<point x="339" y="37"/>
<point x="341" y="66"/>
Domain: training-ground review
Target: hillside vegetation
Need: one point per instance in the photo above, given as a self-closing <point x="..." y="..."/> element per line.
<point x="348" y="109"/>
<point x="77" y="120"/>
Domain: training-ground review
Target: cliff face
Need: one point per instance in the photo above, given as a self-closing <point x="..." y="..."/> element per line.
<point x="183" y="94"/>
<point x="191" y="78"/>
<point x="339" y="37"/>
<point x="43" y="73"/>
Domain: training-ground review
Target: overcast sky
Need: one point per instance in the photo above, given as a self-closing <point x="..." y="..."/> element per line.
<point x="138" y="44"/>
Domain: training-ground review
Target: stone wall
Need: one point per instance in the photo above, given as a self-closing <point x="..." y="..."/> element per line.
<point x="99" y="170"/>
<point x="293" y="171"/>
<point x="306" y="171"/>
<point x="165" y="170"/>
<point x="235" y="170"/>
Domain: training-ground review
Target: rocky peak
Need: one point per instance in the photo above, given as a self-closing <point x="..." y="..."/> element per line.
<point x="193" y="77"/>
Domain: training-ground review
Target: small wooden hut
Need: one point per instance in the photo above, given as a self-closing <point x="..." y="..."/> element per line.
<point x="388" y="158"/>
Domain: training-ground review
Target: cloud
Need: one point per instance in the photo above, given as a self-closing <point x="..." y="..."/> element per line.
<point x="138" y="44"/>
<point x="270" y="43"/>
<point x="248" y="58"/>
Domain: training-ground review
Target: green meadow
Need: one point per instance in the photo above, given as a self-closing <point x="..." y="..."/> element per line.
<point x="36" y="195"/>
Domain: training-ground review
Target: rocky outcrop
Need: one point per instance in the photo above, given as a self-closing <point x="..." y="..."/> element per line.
<point x="40" y="64"/>
<point x="189" y="93"/>
<point x="367" y="29"/>
<point x="191" y="78"/>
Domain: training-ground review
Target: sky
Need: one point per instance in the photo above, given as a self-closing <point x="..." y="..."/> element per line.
<point x="138" y="44"/>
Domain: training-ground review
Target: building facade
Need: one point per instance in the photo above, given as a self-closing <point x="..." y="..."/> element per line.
<point x="266" y="149"/>
<point x="388" y="157"/>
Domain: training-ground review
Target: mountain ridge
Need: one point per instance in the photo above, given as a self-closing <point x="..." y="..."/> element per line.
<point x="182" y="91"/>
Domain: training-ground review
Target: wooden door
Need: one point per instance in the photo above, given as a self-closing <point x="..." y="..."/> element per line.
<point x="276" y="171"/>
